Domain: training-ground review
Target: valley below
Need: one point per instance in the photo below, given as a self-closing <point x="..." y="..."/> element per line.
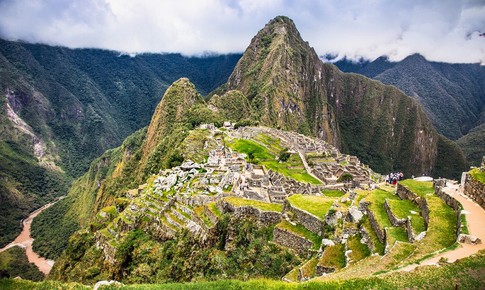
<point x="24" y="240"/>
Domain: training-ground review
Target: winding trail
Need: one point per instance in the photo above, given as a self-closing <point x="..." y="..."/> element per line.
<point x="24" y="240"/>
<point x="475" y="216"/>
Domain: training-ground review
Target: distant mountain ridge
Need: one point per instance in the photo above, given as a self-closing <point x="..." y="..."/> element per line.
<point x="453" y="95"/>
<point x="435" y="85"/>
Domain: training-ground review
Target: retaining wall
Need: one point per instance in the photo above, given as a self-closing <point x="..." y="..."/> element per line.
<point x="288" y="239"/>
<point x="305" y="218"/>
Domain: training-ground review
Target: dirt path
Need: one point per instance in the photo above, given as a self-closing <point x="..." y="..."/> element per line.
<point x="24" y="240"/>
<point x="475" y="215"/>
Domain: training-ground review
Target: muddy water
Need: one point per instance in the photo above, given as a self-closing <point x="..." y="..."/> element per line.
<point x="24" y="240"/>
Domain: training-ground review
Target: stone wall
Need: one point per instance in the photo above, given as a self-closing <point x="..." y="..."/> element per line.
<point x="288" y="239"/>
<point x="305" y="218"/>
<point x="405" y="193"/>
<point x="395" y="221"/>
<point x="264" y="217"/>
<point x="381" y="233"/>
<point x="474" y="189"/>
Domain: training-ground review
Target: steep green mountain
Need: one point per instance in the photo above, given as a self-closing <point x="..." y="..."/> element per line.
<point x="453" y="95"/>
<point x="289" y="87"/>
<point x="143" y="153"/>
<point x="473" y="145"/>
<point x="61" y="108"/>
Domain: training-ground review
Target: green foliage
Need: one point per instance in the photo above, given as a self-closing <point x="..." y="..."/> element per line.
<point x="316" y="205"/>
<point x="51" y="229"/>
<point x="332" y="193"/>
<point x="259" y="154"/>
<point x="333" y="256"/>
<point x="478" y="175"/>
<point x="98" y="96"/>
<point x="24" y="187"/>
<point x="201" y="114"/>
<point x="144" y="259"/>
<point x="14" y="263"/>
<point x="346" y="177"/>
<point x="451" y="160"/>
<point x="284" y="155"/>
<point x="464" y="273"/>
<point x="237" y="201"/>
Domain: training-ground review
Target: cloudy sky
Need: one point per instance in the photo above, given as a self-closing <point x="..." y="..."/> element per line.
<point x="441" y="30"/>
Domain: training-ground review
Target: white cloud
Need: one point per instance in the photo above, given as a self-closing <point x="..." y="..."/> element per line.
<point x="442" y="30"/>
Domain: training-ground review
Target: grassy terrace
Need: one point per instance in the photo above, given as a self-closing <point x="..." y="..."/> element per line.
<point x="199" y="211"/>
<point x="442" y="220"/>
<point x="376" y="198"/>
<point x="265" y="206"/>
<point x="193" y="145"/>
<point x="378" y="246"/>
<point x="262" y="155"/>
<point x="309" y="268"/>
<point x="302" y="232"/>
<point x="333" y="193"/>
<point x="359" y="250"/>
<point x="213" y="208"/>
<point x="404" y="208"/>
<point x="316" y="205"/>
<point x="478" y="175"/>
<point x="333" y="256"/>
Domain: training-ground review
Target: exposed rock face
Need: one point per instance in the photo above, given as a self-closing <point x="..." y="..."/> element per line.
<point x="289" y="87"/>
<point x="284" y="80"/>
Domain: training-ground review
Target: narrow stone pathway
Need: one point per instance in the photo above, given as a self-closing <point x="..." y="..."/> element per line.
<point x="24" y="240"/>
<point x="475" y="216"/>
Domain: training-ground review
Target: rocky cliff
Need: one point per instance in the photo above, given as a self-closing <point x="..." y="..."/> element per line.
<point x="289" y="87"/>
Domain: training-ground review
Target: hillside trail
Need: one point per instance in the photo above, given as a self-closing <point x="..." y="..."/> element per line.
<point x="475" y="215"/>
<point x="24" y="240"/>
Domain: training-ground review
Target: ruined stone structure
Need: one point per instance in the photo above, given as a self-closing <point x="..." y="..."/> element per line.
<point x="474" y="189"/>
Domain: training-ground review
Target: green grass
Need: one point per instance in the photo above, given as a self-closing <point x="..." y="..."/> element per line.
<point x="264" y="157"/>
<point x="308" y="269"/>
<point x="301" y="231"/>
<point x="199" y="211"/>
<point x="378" y="246"/>
<point x="333" y="193"/>
<point x="376" y="198"/>
<point x="213" y="208"/>
<point x="333" y="256"/>
<point x="421" y="188"/>
<point x="359" y="250"/>
<point x="402" y="209"/>
<point x="478" y="175"/>
<point x="265" y="206"/>
<point x="396" y="234"/>
<point x="316" y="205"/>
<point x="441" y="232"/>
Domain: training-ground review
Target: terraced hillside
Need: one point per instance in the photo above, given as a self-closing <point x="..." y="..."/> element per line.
<point x="239" y="210"/>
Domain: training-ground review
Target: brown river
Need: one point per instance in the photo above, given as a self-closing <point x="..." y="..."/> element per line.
<point x="24" y="240"/>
